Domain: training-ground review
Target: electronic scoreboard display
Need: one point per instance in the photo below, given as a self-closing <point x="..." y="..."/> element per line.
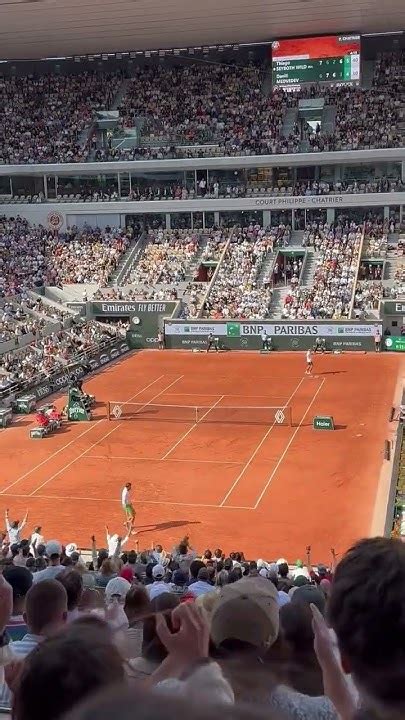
<point x="328" y="59"/>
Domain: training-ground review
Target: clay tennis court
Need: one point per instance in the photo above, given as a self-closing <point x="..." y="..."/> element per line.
<point x="247" y="483"/>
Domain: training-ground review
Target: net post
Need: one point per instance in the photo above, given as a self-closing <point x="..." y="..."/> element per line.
<point x="108" y="411"/>
<point x="196" y="414"/>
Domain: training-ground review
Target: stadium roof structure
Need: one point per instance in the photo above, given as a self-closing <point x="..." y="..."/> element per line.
<point x="35" y="29"/>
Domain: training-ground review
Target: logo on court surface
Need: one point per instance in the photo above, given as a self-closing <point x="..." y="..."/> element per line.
<point x="279" y="417"/>
<point x="116" y="411"/>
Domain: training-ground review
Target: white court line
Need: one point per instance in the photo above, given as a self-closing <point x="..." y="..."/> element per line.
<point x="253" y="455"/>
<point x="282" y="456"/>
<point x="149" y="459"/>
<point x="93" y="425"/>
<point x="194" y="394"/>
<point x="191" y="429"/>
<point x="65" y="467"/>
<point x="138" y="502"/>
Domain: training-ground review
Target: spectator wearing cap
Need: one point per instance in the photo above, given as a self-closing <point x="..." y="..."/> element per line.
<point x="115" y="594"/>
<point x="136" y="608"/>
<point x="202" y="584"/>
<point x="53" y="551"/>
<point x="158" y="586"/>
<point x="20" y="580"/>
<point x="309" y="595"/>
<point x="45" y="615"/>
<point x="179" y="582"/>
<point x="300" y="570"/>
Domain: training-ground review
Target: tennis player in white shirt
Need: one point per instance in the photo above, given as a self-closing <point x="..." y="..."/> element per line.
<point x="126" y="502"/>
<point x="310" y="364"/>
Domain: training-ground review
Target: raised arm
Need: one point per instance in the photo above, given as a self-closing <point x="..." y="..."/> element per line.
<point x="94" y="552"/>
<point x="23" y="521"/>
<point x="8" y="526"/>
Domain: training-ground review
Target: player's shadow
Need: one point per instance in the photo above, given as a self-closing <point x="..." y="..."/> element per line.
<point x="166" y="525"/>
<point x="332" y="372"/>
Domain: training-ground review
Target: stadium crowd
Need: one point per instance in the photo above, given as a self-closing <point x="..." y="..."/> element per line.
<point x="236" y="291"/>
<point x="189" y="110"/>
<point x="50" y="353"/>
<point x="32" y="255"/>
<point x="166" y="258"/>
<point x="294" y="641"/>
<point x="331" y="291"/>
<point x="43" y="117"/>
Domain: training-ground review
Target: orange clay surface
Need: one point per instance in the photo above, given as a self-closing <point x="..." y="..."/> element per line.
<point x="267" y="489"/>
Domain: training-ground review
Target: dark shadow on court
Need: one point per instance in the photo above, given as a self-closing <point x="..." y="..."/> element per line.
<point x="165" y="525"/>
<point x="332" y="372"/>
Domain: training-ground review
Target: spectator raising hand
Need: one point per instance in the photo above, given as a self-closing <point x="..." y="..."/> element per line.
<point x="186" y="644"/>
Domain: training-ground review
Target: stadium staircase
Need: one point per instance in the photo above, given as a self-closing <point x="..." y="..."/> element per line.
<point x="266" y="270"/>
<point x="296" y="240"/>
<point x="196" y="261"/>
<point x="308" y="269"/>
<point x="290" y="118"/>
<point x="277" y="301"/>
<point x="328" y="121"/>
<point x="124" y="87"/>
<point x="132" y="259"/>
<point x="126" y="261"/>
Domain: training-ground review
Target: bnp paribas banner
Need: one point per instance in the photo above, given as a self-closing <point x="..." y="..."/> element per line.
<point x="285" y="335"/>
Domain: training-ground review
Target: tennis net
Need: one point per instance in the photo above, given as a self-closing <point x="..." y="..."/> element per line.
<point x="255" y="414"/>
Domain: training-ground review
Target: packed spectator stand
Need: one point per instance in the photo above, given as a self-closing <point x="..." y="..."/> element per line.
<point x="331" y="293"/>
<point x="237" y="290"/>
<point x="187" y="110"/>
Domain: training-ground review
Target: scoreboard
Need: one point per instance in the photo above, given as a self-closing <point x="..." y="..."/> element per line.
<point x="327" y="59"/>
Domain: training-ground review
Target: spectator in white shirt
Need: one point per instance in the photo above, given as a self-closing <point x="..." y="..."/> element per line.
<point x="36" y="539"/>
<point x="53" y="551"/>
<point x="112" y="542"/>
<point x="14" y="528"/>
<point x="159" y="586"/>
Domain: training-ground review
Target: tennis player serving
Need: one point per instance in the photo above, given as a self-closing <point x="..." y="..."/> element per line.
<point x="126" y="501"/>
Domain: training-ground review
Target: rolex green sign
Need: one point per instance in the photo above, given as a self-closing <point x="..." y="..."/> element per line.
<point x="395" y="343"/>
